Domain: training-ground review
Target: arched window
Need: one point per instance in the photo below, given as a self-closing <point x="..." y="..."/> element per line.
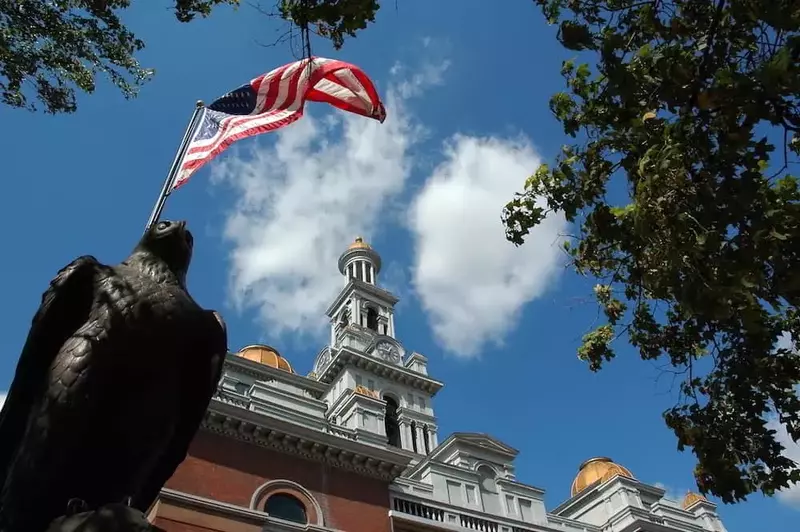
<point x="287" y="507"/>
<point x="390" y="420"/>
<point x="487" y="476"/>
<point x="372" y="319"/>
<point x="414" y="435"/>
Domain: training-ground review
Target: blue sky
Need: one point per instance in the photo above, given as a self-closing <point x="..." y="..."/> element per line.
<point x="466" y="89"/>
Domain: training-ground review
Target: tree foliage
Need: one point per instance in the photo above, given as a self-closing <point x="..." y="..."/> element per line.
<point x="690" y="108"/>
<point x="50" y="48"/>
<point x="331" y="19"/>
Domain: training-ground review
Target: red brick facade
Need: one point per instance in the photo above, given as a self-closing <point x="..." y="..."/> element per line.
<point x="231" y="471"/>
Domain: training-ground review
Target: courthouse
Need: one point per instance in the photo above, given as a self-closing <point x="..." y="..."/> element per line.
<point x="354" y="446"/>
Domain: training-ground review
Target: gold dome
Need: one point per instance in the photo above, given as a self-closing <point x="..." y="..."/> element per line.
<point x="595" y="469"/>
<point x="691" y="499"/>
<point x="264" y="354"/>
<point x="359" y="244"/>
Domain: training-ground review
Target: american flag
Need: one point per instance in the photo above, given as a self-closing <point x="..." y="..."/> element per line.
<point x="274" y="100"/>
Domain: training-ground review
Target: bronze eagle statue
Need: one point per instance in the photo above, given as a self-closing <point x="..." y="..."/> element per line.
<point x="113" y="381"/>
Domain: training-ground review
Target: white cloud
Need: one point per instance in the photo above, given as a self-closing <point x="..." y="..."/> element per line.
<point x="671" y="493"/>
<point x="791" y="495"/>
<point x="303" y="199"/>
<point x="470" y="279"/>
<point x="422" y="77"/>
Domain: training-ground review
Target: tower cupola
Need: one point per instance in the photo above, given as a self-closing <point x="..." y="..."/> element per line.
<point x="360" y="261"/>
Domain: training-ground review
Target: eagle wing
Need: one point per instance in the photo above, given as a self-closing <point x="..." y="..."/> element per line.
<point x="65" y="307"/>
<point x="198" y="388"/>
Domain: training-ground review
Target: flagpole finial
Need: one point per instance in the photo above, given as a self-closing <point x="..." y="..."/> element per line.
<point x="199" y="103"/>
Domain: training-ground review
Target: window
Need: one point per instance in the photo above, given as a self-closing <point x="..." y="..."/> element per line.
<point x="392" y="426"/>
<point x="471" y="499"/>
<point x="414" y="435"/>
<point x="454" y="493"/>
<point x="510" y="508"/>
<point x="358" y="380"/>
<point x="425" y="438"/>
<point x="371" y="384"/>
<point x="526" y="509"/>
<point x="287" y="507"/>
<point x="372" y="319"/>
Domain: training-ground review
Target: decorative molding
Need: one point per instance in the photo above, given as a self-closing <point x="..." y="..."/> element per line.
<point x="238" y="514"/>
<point x="224" y="508"/>
<point x="379" y="295"/>
<point x="363" y="390"/>
<point x="277" y="484"/>
<point x="239" y="365"/>
<point x="347" y="356"/>
<point x="336" y="446"/>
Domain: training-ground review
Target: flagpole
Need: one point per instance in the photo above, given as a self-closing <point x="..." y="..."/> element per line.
<point x="168" y="182"/>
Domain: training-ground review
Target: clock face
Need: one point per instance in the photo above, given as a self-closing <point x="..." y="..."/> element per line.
<point x="323" y="360"/>
<point x="388" y="352"/>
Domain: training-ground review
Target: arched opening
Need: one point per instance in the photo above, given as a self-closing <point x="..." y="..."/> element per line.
<point x="372" y="319"/>
<point x="425" y="438"/>
<point x="287" y="507"/>
<point x="345" y="319"/>
<point x="487" y="476"/>
<point x="488" y="489"/>
<point x="390" y="420"/>
<point x="414" y="435"/>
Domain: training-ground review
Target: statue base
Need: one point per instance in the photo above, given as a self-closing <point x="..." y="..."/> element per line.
<point x="109" y="518"/>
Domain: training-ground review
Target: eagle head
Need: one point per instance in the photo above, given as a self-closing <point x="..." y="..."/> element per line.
<point x="170" y="243"/>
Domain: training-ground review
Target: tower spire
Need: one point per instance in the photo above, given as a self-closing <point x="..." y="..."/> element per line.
<point x="360" y="261"/>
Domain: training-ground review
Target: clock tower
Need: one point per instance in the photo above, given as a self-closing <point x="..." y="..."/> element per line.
<point x="378" y="388"/>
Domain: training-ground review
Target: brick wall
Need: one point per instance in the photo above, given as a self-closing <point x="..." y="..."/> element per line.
<point x="230" y="471"/>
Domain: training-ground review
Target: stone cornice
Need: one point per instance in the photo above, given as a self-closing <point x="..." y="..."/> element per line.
<point x="346" y="356"/>
<point x="655" y="523"/>
<point x="354" y="284"/>
<point x="591" y="492"/>
<point x="404" y="413"/>
<point x="232" y="510"/>
<point x="517" y="486"/>
<point x="336" y="446"/>
<point x="259" y="389"/>
<point x="261" y="372"/>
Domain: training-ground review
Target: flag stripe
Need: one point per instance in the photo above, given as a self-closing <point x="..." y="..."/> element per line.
<point x="275" y="100"/>
<point x="254" y="129"/>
